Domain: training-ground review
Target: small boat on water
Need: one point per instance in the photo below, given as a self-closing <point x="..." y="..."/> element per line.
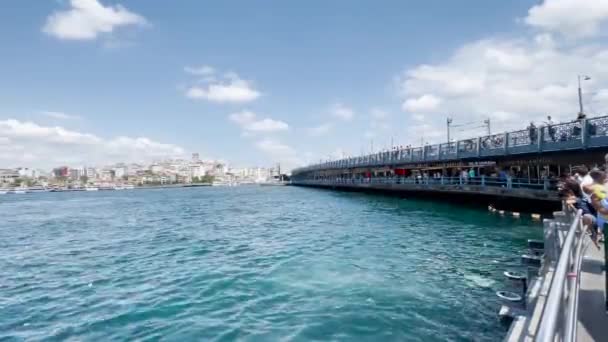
<point x="274" y="182"/>
<point x="3" y="192"/>
<point x="17" y="191"/>
<point x="91" y="188"/>
<point x="35" y="189"/>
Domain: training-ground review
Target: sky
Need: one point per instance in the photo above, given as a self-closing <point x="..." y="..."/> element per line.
<point x="255" y="83"/>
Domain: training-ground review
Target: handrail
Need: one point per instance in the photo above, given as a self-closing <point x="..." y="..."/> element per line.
<point x="565" y="278"/>
<point x="575" y="134"/>
<point x="482" y="182"/>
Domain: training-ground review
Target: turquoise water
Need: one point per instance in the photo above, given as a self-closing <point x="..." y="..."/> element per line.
<point x="250" y="263"/>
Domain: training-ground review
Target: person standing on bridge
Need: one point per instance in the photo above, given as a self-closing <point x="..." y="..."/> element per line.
<point x="550" y="128"/>
<point x="532" y="132"/>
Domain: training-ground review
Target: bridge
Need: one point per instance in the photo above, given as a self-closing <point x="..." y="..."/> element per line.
<point x="523" y="164"/>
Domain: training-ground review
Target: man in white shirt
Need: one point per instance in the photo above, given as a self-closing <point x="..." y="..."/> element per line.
<point x="581" y="174"/>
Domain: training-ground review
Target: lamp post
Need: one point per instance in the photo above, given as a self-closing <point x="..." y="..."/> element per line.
<point x="487" y="123"/>
<point x="580" y="93"/>
<point x="449" y="122"/>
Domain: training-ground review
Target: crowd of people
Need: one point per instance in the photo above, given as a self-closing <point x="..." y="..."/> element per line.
<point x="587" y="190"/>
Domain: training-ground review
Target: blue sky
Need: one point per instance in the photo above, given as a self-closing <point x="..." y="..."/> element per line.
<point x="291" y="82"/>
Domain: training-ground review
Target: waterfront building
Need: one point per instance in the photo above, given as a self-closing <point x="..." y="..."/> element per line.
<point x="90" y="172"/>
<point x="156" y="168"/>
<point x="120" y="172"/>
<point x="25" y="172"/>
<point x="61" y="172"/>
<point x="8" y="176"/>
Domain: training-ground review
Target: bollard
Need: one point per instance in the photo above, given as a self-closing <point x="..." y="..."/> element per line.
<point x="531" y="260"/>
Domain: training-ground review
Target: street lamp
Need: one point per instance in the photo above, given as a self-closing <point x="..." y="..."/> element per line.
<point x="449" y="122"/>
<point x="580" y="94"/>
<point x="487" y="124"/>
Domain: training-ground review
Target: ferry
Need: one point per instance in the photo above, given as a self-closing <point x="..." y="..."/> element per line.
<point x="35" y="189"/>
<point x="223" y="182"/>
<point x="17" y="191"/>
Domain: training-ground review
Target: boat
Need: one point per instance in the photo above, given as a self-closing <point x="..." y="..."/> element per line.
<point x="3" y="192"/>
<point x="223" y="182"/>
<point x="34" y="189"/>
<point x="91" y="188"/>
<point x="17" y="191"/>
<point x="274" y="182"/>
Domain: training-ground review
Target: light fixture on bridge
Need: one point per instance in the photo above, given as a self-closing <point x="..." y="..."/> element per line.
<point x="581" y="113"/>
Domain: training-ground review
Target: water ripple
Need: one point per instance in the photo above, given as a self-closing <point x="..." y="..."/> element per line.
<point x="250" y="263"/>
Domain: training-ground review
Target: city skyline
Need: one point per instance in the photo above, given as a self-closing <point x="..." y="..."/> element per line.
<point x="104" y="81"/>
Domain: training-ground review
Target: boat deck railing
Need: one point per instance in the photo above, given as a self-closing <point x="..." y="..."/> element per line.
<point x="578" y="134"/>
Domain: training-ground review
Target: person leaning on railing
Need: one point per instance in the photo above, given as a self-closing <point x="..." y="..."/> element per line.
<point x="598" y="194"/>
<point x="570" y="192"/>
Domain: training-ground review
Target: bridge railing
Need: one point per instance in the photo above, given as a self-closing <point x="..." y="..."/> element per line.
<point x="482" y="181"/>
<point x="578" y="134"/>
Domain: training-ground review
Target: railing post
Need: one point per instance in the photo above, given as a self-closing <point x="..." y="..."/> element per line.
<point x="457" y="148"/>
<point x="483" y="180"/>
<point x="506" y="143"/>
<point x="584" y="133"/>
<point x="541" y="136"/>
<point x="478" y="147"/>
<point x="509" y="182"/>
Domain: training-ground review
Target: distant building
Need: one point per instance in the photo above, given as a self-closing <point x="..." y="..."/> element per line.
<point x="75" y="174"/>
<point x="62" y="171"/>
<point x="120" y="172"/>
<point x="90" y="172"/>
<point x="195" y="157"/>
<point x="156" y="168"/>
<point x="8" y="176"/>
<point x="25" y="172"/>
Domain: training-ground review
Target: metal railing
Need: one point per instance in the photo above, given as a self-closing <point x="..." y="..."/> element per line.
<point x="578" y="134"/>
<point x="559" y="315"/>
<point x="482" y="181"/>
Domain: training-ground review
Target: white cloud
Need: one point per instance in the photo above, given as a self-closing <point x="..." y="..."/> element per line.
<point x="47" y="146"/>
<point x="279" y="153"/>
<point x="510" y="81"/>
<point x="321" y="129"/>
<point x="230" y="89"/>
<point x="341" y="112"/>
<point x="87" y="19"/>
<point x="59" y="115"/>
<point x="572" y="18"/>
<point x="204" y="70"/>
<point x="424" y="103"/>
<point x="379" y="114"/>
<point x="250" y="124"/>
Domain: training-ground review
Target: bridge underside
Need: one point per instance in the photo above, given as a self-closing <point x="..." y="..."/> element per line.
<point x="524" y="200"/>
